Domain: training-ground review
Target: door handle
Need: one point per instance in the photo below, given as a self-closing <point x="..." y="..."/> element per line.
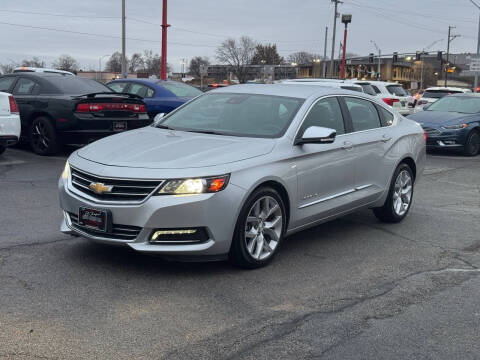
<point x="347" y="145"/>
<point x="386" y="138"/>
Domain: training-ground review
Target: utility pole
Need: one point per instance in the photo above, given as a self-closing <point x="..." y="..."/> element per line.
<point x="124" y="56"/>
<point x="448" y="53"/>
<point x="379" y="59"/>
<point x="324" y="70"/>
<point x="332" y="60"/>
<point x="163" y="74"/>
<point x="478" y="46"/>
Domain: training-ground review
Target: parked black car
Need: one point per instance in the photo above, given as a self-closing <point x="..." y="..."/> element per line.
<point x="58" y="109"/>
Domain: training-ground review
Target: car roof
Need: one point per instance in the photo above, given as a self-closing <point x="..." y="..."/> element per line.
<point x="447" y="88"/>
<point x="288" y="90"/>
<point x="147" y="81"/>
<point x="37" y="74"/>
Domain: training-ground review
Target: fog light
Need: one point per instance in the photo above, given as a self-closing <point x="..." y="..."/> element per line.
<point x="172" y="236"/>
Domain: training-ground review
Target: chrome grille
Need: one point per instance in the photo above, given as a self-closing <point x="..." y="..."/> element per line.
<point x="122" y="190"/>
<point x="431" y="131"/>
<point x="120" y="232"/>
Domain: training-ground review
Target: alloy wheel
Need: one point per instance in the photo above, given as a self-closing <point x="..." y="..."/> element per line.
<point x="263" y="228"/>
<point x="402" y="193"/>
<point x="40" y="136"/>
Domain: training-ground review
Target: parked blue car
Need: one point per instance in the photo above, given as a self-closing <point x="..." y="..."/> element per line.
<point x="453" y="122"/>
<point x="160" y="96"/>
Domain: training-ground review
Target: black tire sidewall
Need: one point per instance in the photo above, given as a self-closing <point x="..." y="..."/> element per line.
<point x="467" y="143"/>
<point x="2" y="149"/>
<point x="238" y="250"/>
<point x="53" y="146"/>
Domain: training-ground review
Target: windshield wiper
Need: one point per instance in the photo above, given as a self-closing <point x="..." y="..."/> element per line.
<point x="210" y="132"/>
<point x="161" y="126"/>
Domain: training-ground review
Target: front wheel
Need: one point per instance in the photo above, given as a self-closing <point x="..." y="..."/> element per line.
<point x="472" y="145"/>
<point x="259" y="230"/>
<point x="399" y="197"/>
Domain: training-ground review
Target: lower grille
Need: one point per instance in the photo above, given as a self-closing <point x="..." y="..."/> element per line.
<point x="120" y="232"/>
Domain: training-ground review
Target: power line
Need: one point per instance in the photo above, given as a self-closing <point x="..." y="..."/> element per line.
<point x="60" y="15"/>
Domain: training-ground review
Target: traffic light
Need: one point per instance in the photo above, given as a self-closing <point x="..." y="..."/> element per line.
<point x="439" y="56"/>
<point x="370" y="58"/>
<point x="395" y="57"/>
<point x="418" y="56"/>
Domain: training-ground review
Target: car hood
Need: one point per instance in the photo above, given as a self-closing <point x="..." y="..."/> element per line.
<point x="164" y="149"/>
<point x="439" y="118"/>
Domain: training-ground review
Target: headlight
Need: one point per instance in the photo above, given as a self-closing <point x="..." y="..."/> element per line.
<point x="194" y="186"/>
<point x="66" y="171"/>
<point x="455" y="127"/>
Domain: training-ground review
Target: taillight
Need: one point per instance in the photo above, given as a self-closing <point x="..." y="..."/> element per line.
<point x="390" y="101"/>
<point x="96" y="107"/>
<point x="13" y="105"/>
<point x="425" y="135"/>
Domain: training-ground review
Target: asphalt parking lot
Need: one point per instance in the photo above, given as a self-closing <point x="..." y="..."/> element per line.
<point x="353" y="288"/>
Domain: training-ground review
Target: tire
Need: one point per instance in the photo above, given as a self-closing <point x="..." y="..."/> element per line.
<point x="396" y="208"/>
<point x="257" y="238"/>
<point x="472" y="145"/>
<point x="2" y="149"/>
<point x="43" y="137"/>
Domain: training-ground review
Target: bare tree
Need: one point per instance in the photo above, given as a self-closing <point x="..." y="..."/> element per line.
<point x="267" y="54"/>
<point x="195" y="63"/>
<point x="7" y="68"/>
<point x="114" y="63"/>
<point x="237" y="54"/>
<point x="136" y="63"/>
<point x="67" y="63"/>
<point x="303" y="58"/>
<point x="33" y="62"/>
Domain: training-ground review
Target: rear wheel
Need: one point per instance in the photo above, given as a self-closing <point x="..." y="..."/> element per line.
<point x="472" y="145"/>
<point x="43" y="137"/>
<point x="2" y="149"/>
<point x="399" y="198"/>
<point x="259" y="230"/>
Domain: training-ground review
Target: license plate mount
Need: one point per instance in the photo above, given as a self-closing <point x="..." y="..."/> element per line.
<point x="95" y="219"/>
<point x="119" y="126"/>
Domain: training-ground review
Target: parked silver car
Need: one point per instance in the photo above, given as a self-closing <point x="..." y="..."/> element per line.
<point x="234" y="171"/>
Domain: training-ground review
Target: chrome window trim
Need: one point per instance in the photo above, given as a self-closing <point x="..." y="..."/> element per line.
<point x="83" y="195"/>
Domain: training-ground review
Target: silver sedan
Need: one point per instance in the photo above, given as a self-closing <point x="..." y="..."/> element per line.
<point x="234" y="171"/>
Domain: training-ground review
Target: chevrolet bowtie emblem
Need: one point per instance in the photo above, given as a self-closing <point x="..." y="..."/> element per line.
<point x="100" y="188"/>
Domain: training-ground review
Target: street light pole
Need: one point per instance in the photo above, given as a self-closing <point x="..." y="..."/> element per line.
<point x="448" y="52"/>
<point x="163" y="74"/>
<point x="379" y="59"/>
<point x="346" y="19"/>
<point x="324" y="70"/>
<point x="478" y="46"/>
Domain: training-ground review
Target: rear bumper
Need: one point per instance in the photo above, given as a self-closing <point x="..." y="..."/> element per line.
<point x="82" y="137"/>
<point x="9" y="130"/>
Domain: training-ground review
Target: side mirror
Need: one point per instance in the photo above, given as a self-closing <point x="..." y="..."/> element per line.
<point x="158" y="118"/>
<point x="317" y="135"/>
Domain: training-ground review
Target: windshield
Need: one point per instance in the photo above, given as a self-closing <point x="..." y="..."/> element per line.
<point x="73" y="85"/>
<point x="396" y="90"/>
<point x="180" y="89"/>
<point x="367" y="89"/>
<point x="235" y="114"/>
<point x="459" y="104"/>
<point x="437" y="94"/>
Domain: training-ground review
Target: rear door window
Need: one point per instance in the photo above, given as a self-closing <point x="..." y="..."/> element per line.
<point x="140" y="90"/>
<point x="387" y="116"/>
<point x="25" y="87"/>
<point x="397" y="90"/>
<point x="363" y="113"/>
<point x="6" y="83"/>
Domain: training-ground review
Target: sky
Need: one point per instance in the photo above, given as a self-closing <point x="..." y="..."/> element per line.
<point x="198" y="27"/>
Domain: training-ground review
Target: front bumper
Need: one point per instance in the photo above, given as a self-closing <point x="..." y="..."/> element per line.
<point x="448" y="139"/>
<point x="216" y="213"/>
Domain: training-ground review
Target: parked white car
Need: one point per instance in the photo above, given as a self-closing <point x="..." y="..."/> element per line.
<point x="393" y="94"/>
<point x="9" y="121"/>
<point x="432" y="94"/>
<point x="336" y="84"/>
